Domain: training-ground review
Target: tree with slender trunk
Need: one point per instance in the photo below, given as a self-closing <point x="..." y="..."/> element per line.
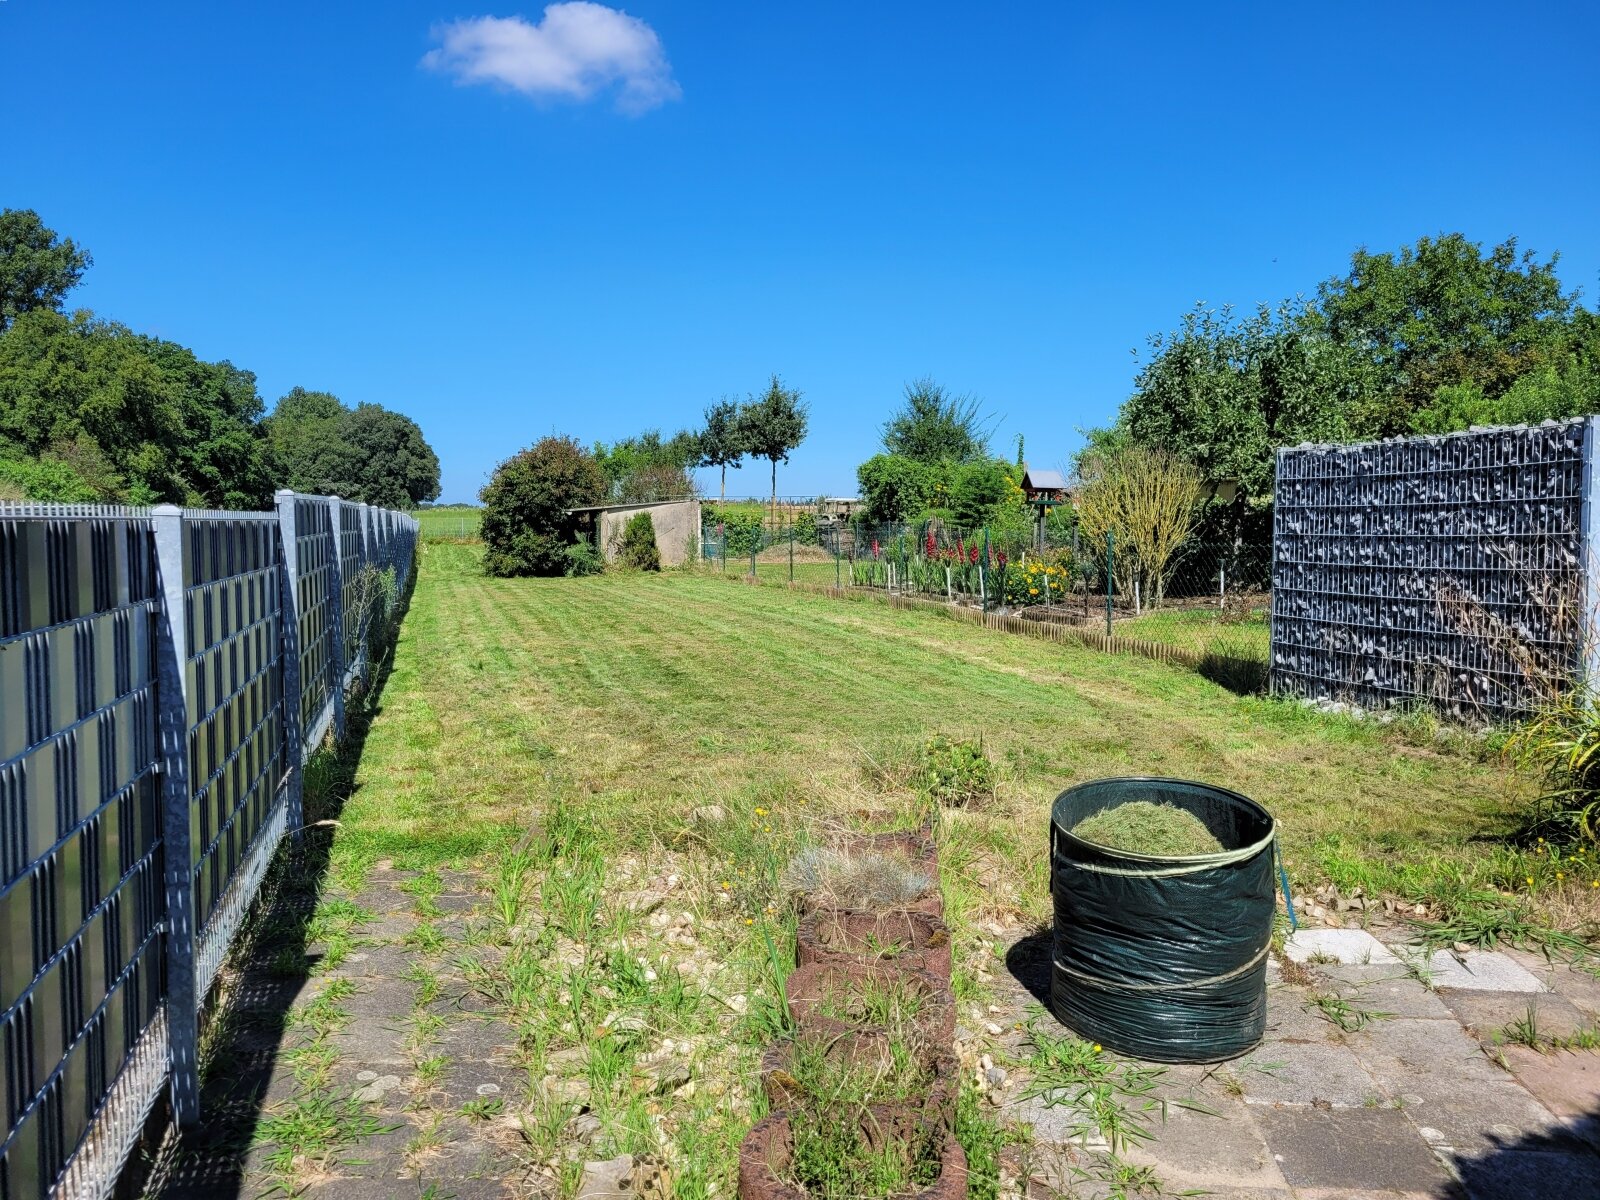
<point x="773" y="427"/>
<point x="722" y="441"/>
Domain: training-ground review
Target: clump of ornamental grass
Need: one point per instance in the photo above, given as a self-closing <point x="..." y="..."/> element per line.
<point x="1143" y="827"/>
<point x="866" y="882"/>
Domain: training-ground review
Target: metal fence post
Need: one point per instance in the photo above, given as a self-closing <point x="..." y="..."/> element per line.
<point x="289" y="659"/>
<point x="336" y="623"/>
<point x="172" y="730"/>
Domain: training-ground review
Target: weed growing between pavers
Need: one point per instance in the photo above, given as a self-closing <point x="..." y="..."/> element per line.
<point x="1111" y="1099"/>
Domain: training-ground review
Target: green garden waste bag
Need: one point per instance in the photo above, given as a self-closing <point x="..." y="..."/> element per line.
<point x="1163" y="958"/>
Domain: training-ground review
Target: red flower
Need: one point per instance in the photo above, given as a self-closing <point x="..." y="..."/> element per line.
<point x="974" y="555"/>
<point x="874" y="547"/>
<point x="1000" y="557"/>
<point x="932" y="546"/>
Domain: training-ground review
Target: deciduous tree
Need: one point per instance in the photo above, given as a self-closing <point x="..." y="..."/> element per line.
<point x="773" y="427"/>
<point x="38" y="267"/>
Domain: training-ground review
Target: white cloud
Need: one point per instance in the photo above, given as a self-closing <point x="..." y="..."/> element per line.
<point x="578" y="50"/>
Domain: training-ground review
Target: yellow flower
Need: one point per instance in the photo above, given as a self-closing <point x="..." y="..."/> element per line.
<point x="1530" y="880"/>
<point x="1559" y="875"/>
<point x="1033" y="591"/>
<point x="748" y="921"/>
<point x="1097" y="1047"/>
<point x="724" y="885"/>
<point x="766" y="829"/>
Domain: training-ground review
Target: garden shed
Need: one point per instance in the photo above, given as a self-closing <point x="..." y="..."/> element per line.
<point x="677" y="525"/>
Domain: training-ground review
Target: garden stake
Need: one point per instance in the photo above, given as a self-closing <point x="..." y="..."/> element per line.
<point x="791" y="551"/>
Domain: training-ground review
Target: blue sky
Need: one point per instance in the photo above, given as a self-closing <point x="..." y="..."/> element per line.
<point x="592" y="225"/>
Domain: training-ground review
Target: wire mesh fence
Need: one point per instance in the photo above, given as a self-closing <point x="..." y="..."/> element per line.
<point x="448" y="524"/>
<point x="1209" y="603"/>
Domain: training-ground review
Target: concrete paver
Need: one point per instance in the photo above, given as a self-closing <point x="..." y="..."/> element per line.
<point x="1479" y="970"/>
<point x="1349" y="947"/>
<point x="1359" y="1148"/>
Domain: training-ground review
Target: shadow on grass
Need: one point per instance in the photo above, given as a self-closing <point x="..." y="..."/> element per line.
<point x="1243" y="676"/>
<point x="269" y="970"/>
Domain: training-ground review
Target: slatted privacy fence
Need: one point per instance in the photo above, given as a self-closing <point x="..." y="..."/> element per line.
<point x="163" y="676"/>
<point x="1456" y="570"/>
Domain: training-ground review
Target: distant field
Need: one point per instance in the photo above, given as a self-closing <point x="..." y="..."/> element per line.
<point x="449" y="524"/>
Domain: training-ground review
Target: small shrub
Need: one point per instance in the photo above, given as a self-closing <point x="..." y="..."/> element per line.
<point x="956" y="772"/>
<point x="864" y="882"/>
<point x="527" y="520"/>
<point x="741" y="532"/>
<point x="805" y="529"/>
<point x="639" y="550"/>
<point x="583" y="559"/>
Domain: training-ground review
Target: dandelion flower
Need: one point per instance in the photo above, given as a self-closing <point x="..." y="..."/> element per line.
<point x="724" y="885"/>
<point x="748" y="921"/>
<point x="1530" y="880"/>
<point x="1097" y="1047"/>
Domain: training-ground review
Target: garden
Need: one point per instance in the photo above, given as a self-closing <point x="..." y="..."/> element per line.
<point x="568" y="901"/>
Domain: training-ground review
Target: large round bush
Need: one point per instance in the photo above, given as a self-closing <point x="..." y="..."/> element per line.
<point x="527" y="522"/>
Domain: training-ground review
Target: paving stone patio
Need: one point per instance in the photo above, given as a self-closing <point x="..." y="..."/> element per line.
<point x="1428" y="1100"/>
<point x="428" y="1143"/>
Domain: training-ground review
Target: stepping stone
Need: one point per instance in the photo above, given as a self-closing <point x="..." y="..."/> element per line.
<point x="1382" y="989"/>
<point x="1580" y="987"/>
<point x="1566" y="1082"/>
<point x="1488" y="1013"/>
<point x="1353" y="1150"/>
<point x="1479" y="970"/>
<point x="1307" y="1073"/>
<point x="1215" y="1153"/>
<point x="1350" y="947"/>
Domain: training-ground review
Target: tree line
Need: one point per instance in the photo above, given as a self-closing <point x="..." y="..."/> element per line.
<point x="92" y="411"/>
<point x="1436" y="337"/>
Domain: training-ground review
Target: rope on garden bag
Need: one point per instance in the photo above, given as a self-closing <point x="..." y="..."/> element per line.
<point x="1111" y="985"/>
<point x="1189" y="866"/>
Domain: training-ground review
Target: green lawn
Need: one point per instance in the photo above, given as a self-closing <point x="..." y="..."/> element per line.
<point x="1204" y="630"/>
<point x="448" y="523"/>
<point x="555" y="738"/>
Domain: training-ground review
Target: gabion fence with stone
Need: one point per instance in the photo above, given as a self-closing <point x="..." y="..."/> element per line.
<point x="1455" y="570"/>
<point x="164" y="675"/>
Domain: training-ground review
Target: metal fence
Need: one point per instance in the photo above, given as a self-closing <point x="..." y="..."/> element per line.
<point x="1207" y="605"/>
<point x="1456" y="570"/>
<point x="164" y="674"/>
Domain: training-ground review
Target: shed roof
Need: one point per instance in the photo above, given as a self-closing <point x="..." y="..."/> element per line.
<point x="1043" y="479"/>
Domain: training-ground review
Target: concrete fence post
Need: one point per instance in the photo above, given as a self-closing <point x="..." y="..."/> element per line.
<point x="172" y="732"/>
<point x="1589" y="563"/>
<point x="336" y="622"/>
<point x="289" y="659"/>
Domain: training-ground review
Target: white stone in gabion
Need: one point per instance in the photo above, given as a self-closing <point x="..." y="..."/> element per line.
<point x="1347" y="947"/>
<point x="1480" y="971"/>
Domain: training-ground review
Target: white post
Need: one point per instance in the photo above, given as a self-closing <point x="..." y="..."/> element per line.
<point x="1222" y="587"/>
<point x="949" y="586"/>
<point x="1136" y="609"/>
<point x="336" y="621"/>
<point x="289" y="657"/>
<point x="172" y="727"/>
